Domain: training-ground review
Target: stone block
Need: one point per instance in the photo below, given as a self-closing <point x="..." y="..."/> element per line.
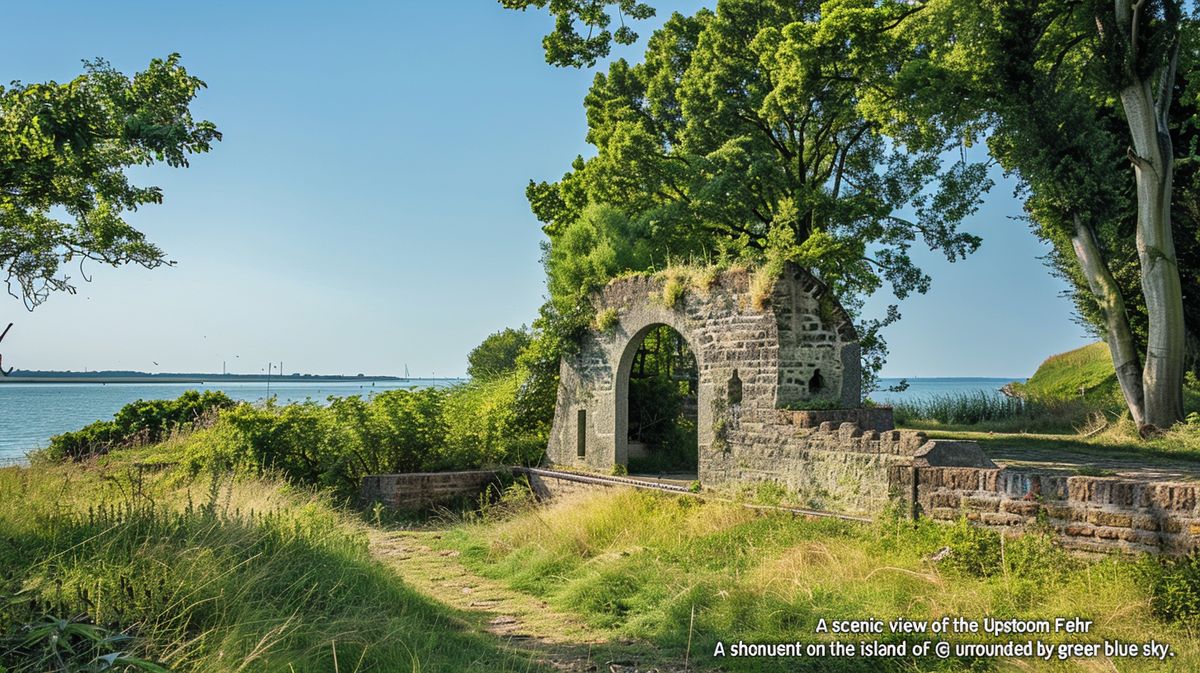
<point x="981" y="504"/>
<point x="1144" y="522"/>
<point x="1065" y="512"/>
<point x="944" y="513"/>
<point x="1079" y="530"/>
<point x="949" y="453"/>
<point x="1002" y="519"/>
<point x="1022" y="507"/>
<point x="1101" y="517"/>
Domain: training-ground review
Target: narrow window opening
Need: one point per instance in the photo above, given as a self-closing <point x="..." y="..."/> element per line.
<point x="581" y="434"/>
<point x="817" y="383"/>
<point x="735" y="389"/>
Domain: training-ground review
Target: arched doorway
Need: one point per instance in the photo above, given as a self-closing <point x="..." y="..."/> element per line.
<point x="661" y="385"/>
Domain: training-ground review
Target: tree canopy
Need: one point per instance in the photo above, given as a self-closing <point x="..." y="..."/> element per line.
<point x="497" y="354"/>
<point x="748" y="133"/>
<point x="64" y="149"/>
<point x="744" y="129"/>
<point x="1069" y="96"/>
<point x="807" y="127"/>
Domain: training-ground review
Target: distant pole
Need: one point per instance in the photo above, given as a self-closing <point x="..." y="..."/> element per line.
<point x="269" y="365"/>
<point x="222" y="368"/>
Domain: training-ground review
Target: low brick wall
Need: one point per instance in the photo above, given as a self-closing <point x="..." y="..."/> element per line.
<point x="423" y="489"/>
<point x="1092" y="514"/>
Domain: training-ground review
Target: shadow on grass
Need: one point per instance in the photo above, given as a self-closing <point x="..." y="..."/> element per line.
<point x="1080" y="453"/>
<point x="206" y="590"/>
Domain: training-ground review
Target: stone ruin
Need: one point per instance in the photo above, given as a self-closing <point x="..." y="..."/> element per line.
<point x="761" y="364"/>
<point x="778" y="398"/>
<point x="778" y="402"/>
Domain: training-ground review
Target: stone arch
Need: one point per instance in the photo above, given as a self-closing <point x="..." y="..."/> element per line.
<point x="768" y="347"/>
<point x="631" y="341"/>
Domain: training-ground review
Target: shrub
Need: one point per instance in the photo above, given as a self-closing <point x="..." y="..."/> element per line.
<point x="483" y="426"/>
<point x="607" y="320"/>
<point x="138" y="423"/>
<point x="1174" y="588"/>
<point x="974" y="551"/>
<point x="673" y="291"/>
<point x="469" y="426"/>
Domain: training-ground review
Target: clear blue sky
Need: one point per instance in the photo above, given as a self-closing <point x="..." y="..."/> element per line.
<point x="366" y="209"/>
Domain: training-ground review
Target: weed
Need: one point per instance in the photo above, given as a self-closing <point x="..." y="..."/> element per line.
<point x="607" y="320"/>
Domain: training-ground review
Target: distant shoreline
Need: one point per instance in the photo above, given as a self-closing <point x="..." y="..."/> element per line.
<point x="144" y="378"/>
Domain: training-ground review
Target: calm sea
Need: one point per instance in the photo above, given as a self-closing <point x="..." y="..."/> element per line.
<point x="31" y="413"/>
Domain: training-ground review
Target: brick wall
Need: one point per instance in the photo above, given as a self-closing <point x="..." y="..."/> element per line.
<point x="423" y="489"/>
<point x="1092" y="514"/>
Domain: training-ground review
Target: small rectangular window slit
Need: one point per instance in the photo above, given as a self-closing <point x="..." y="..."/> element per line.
<point x="581" y="434"/>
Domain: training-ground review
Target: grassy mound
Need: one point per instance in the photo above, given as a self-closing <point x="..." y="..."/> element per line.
<point x="685" y="574"/>
<point x="1087" y="370"/>
<point x="217" y="575"/>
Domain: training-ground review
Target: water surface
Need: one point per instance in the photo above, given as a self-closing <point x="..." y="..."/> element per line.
<point x="31" y="413"/>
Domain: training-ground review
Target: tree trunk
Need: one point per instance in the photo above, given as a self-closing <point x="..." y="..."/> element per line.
<point x="1120" y="338"/>
<point x="1153" y="163"/>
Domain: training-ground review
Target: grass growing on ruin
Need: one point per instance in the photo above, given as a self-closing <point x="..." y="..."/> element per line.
<point x="215" y="575"/>
<point x="683" y="574"/>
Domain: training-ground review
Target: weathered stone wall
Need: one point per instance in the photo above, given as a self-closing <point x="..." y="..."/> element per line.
<point x="835" y="467"/>
<point x="423" y="489"/>
<point x="819" y="356"/>
<point x="1092" y="514"/>
<point x="751" y="361"/>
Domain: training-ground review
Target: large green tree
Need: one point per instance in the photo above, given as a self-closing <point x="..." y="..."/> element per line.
<point x="744" y="134"/>
<point x="64" y="149"/>
<point x="1070" y="95"/>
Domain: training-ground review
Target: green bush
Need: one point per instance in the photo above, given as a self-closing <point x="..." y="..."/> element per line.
<point x="1175" y="588"/>
<point x="974" y="551"/>
<point x="138" y="423"/>
<point x="469" y="426"/>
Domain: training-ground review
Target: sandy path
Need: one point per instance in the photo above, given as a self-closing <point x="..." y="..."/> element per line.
<point x="559" y="641"/>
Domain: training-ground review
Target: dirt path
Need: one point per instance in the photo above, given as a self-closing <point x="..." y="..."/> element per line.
<point x="526" y="624"/>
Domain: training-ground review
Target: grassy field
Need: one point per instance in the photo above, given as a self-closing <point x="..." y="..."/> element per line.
<point x="224" y="574"/>
<point x="684" y="575"/>
<point x="213" y="575"/>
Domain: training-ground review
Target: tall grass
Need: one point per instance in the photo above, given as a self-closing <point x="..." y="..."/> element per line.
<point x="682" y="574"/>
<point x="218" y="576"/>
<point x="988" y="411"/>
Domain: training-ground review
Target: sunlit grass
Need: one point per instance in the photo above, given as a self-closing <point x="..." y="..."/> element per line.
<point x="641" y="564"/>
<point x="218" y="575"/>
